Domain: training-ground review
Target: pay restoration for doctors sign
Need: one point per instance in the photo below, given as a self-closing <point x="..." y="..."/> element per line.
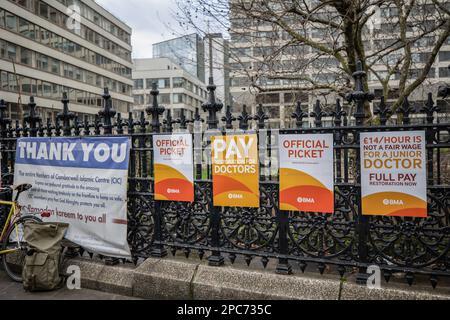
<point x="82" y="182"/>
<point x="235" y="167"/>
<point x="393" y="174"/>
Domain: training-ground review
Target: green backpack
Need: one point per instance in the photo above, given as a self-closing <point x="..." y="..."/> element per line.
<point x="42" y="263"/>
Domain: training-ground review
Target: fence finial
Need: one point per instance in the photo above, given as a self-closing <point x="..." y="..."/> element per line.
<point x="65" y="116"/>
<point x="405" y="110"/>
<point x="108" y="112"/>
<point x="244" y="118"/>
<point x="299" y="115"/>
<point x="318" y="114"/>
<point x="3" y="120"/>
<point x="212" y="107"/>
<point x="338" y="113"/>
<point x="383" y="111"/>
<point x="430" y="108"/>
<point x="261" y="117"/>
<point x="359" y="96"/>
<point x="155" y="110"/>
<point x="32" y="118"/>
<point x="229" y="118"/>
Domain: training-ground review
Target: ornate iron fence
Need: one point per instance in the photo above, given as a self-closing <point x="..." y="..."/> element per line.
<point x="344" y="241"/>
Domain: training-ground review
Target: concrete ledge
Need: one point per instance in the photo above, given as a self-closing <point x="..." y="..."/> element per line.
<point x="164" y="279"/>
<point x="186" y="280"/>
<point x="229" y="283"/>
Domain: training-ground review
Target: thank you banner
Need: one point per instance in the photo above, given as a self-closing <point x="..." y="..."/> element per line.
<point x="393" y="174"/>
<point x="82" y="182"/>
<point x="306" y="173"/>
<point x="235" y="171"/>
<point x="173" y="167"/>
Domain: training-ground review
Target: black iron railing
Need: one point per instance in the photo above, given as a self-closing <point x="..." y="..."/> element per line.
<point x="345" y="241"/>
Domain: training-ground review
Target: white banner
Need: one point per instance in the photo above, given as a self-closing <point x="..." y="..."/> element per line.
<point x="82" y="182"/>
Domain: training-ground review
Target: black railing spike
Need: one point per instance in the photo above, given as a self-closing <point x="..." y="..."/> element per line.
<point x="261" y="117"/>
<point x="405" y="110"/>
<point x="131" y="123"/>
<point x="119" y="124"/>
<point x="383" y="112"/>
<point x="244" y="119"/>
<point x="107" y="113"/>
<point x="229" y="118"/>
<point x="212" y="106"/>
<point x="318" y="114"/>
<point x="32" y="118"/>
<point x="155" y="110"/>
<point x="299" y="115"/>
<point x="338" y="113"/>
<point x="183" y="121"/>
<point x="359" y="96"/>
<point x="4" y="121"/>
<point x="66" y="116"/>
<point x="168" y="121"/>
<point x="143" y="122"/>
<point x="430" y="108"/>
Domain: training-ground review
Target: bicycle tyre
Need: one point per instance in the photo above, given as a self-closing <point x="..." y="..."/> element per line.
<point x="13" y="268"/>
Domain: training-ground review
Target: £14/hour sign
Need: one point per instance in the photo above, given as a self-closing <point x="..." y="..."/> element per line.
<point x="235" y="171"/>
<point x="393" y="174"/>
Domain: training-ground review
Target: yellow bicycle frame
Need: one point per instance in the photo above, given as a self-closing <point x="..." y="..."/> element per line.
<point x="11" y="216"/>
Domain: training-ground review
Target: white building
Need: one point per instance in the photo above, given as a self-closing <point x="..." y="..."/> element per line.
<point x="42" y="54"/>
<point x="178" y="89"/>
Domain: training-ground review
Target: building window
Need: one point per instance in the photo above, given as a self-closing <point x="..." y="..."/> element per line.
<point x="162" y="83"/>
<point x="139" y="84"/>
<point x="26" y="56"/>
<point x="178" y="82"/>
<point x="178" y="98"/>
<point x="10" y="21"/>
<point x="444" y="56"/>
<point x="444" y="72"/>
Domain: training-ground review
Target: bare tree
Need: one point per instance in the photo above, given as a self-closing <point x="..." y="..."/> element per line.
<point x="314" y="45"/>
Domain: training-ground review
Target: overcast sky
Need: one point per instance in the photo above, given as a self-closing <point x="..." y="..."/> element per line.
<point x="151" y="20"/>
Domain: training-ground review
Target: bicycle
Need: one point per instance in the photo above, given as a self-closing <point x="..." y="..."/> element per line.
<point x="13" y="247"/>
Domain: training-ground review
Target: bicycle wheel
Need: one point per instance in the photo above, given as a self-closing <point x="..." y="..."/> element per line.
<point x="13" y="262"/>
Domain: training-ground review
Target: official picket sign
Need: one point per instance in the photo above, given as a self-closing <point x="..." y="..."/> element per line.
<point x="393" y="174"/>
<point x="235" y="168"/>
<point x="173" y="167"/>
<point x="307" y="173"/>
<point x="82" y="182"/>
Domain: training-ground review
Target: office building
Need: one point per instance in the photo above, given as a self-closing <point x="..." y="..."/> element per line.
<point x="43" y="53"/>
<point x="178" y="89"/>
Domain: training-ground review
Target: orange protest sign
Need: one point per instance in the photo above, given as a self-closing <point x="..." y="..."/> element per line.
<point x="393" y="174"/>
<point x="306" y="173"/>
<point x="174" y="169"/>
<point x="235" y="167"/>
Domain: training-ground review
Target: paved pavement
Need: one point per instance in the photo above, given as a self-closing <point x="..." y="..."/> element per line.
<point x="14" y="291"/>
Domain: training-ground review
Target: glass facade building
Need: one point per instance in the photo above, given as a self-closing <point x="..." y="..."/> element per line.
<point x="187" y="51"/>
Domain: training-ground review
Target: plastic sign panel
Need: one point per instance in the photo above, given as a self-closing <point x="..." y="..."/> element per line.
<point x="393" y="174"/>
<point x="307" y="173"/>
<point x="173" y="167"/>
<point x="82" y="182"/>
<point x="235" y="167"/>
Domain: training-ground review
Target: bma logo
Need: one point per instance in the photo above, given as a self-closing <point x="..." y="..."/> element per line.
<point x="74" y="21"/>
